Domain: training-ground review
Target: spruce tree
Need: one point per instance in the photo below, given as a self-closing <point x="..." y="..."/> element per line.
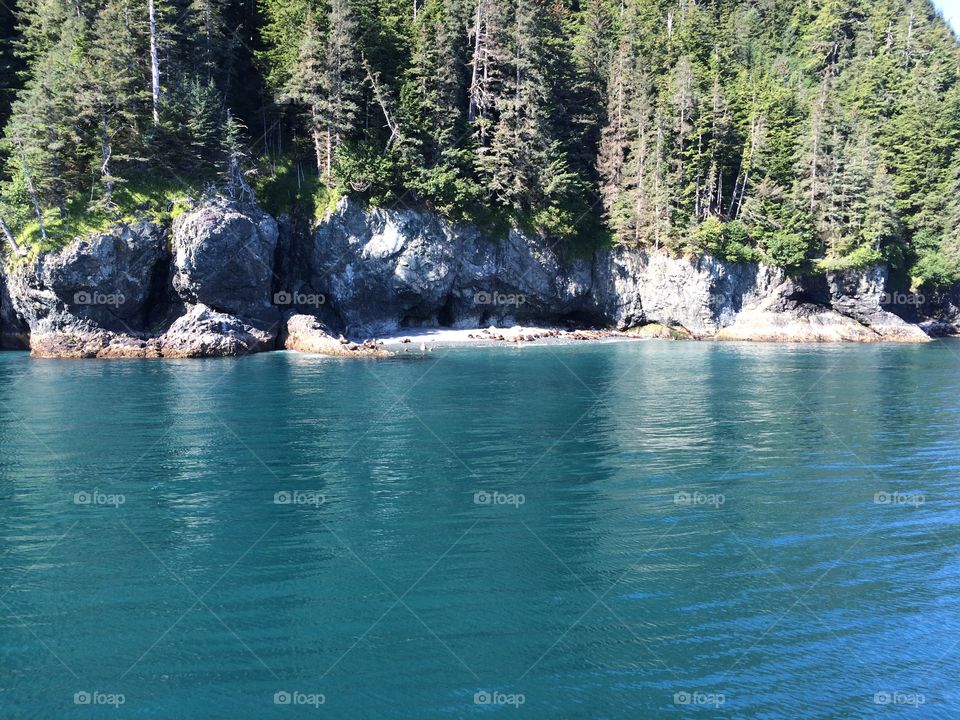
<point x="112" y="94"/>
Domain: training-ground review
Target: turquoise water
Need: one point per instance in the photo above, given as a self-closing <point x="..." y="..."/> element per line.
<point x="664" y="530"/>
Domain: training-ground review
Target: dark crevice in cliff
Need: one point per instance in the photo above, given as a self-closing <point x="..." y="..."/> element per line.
<point x="447" y="315"/>
<point x="162" y="306"/>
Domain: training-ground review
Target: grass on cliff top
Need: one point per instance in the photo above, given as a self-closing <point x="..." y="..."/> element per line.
<point x="135" y="201"/>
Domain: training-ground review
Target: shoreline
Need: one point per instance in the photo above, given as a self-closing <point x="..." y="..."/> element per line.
<point x="516" y="335"/>
<point x="422" y="341"/>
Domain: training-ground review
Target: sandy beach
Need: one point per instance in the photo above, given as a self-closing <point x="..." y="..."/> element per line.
<point x="426" y="338"/>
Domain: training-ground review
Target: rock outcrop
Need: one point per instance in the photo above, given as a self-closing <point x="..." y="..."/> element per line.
<point x="200" y="333"/>
<point x="105" y="280"/>
<point x="14" y="331"/>
<point x="808" y="324"/>
<point x="125" y="294"/>
<point x="937" y="312"/>
<point x="860" y="294"/>
<point x="228" y="281"/>
<point x="384" y="270"/>
<point x="304" y="333"/>
<point x="204" y="332"/>
<point x="223" y="257"/>
<point x="843" y="307"/>
<point x="634" y="287"/>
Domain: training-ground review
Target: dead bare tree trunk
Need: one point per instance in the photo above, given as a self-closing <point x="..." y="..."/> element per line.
<point x="381" y="99"/>
<point x="317" y="140"/>
<point x="154" y="62"/>
<point x="475" y="66"/>
<point x="106" y="152"/>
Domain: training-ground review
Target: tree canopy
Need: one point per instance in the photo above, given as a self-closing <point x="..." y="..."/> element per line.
<point x="806" y="133"/>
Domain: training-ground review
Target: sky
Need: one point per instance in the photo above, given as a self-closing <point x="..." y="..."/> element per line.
<point x="951" y="10"/>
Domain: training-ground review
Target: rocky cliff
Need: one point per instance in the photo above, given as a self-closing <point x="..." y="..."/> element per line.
<point x="227" y="279"/>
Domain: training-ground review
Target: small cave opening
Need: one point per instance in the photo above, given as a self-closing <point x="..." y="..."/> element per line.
<point x="447" y="315"/>
<point x="580" y="320"/>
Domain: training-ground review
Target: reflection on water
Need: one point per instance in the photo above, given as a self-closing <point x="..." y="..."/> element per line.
<point x="744" y="530"/>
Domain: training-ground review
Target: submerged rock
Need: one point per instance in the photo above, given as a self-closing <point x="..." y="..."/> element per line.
<point x="656" y="331"/>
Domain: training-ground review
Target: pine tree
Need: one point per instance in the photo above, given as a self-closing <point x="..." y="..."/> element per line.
<point x="112" y="96"/>
<point x="235" y="160"/>
<point x="327" y="81"/>
<point x="284" y="27"/>
<point x="44" y="132"/>
<point x="303" y="86"/>
<point x="489" y="60"/>
<point x="797" y="131"/>
<point x="527" y="166"/>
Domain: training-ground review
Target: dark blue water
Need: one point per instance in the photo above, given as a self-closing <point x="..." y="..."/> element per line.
<point x="609" y="531"/>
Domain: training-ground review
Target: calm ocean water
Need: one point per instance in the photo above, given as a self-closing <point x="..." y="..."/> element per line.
<point x="607" y="531"/>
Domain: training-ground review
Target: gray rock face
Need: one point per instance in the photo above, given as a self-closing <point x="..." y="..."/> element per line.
<point x="224" y="257"/>
<point x="96" y="296"/>
<point x="105" y="280"/>
<point x="377" y="268"/>
<point x="383" y="270"/>
<point x="14" y="332"/>
<point x="937" y="312"/>
<point x="203" y="332"/>
<point x="220" y="291"/>
<point x="519" y="277"/>
<point x="633" y="287"/>
<point x="860" y="294"/>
